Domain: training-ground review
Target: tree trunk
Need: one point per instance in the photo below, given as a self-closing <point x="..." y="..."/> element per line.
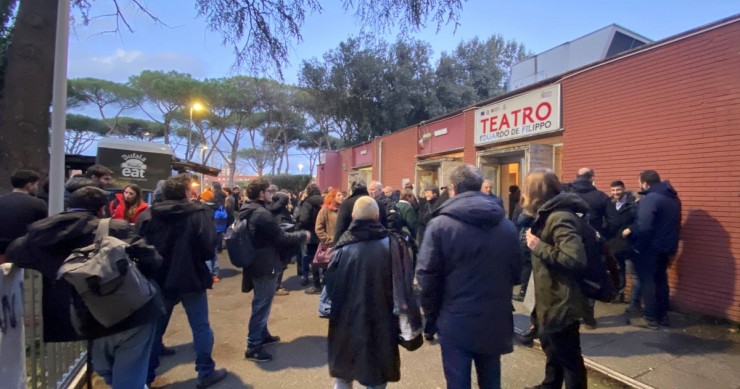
<point x="26" y="96"/>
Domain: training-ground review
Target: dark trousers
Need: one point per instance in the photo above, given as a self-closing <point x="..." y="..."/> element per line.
<point x="525" y="274"/>
<point x="652" y="270"/>
<point x="458" y="362"/>
<point x="306" y="264"/>
<point x="564" y="359"/>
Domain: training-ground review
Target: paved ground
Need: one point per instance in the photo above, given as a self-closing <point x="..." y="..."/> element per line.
<point x="300" y="359"/>
<point x="695" y="352"/>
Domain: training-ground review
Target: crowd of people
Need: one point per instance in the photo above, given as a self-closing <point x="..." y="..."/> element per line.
<point x="392" y="269"/>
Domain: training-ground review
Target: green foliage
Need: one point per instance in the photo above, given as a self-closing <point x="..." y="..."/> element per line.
<point x="140" y="129"/>
<point x="292" y="182"/>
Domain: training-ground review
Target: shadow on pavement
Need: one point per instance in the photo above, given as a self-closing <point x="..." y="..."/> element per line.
<point x="303" y="353"/>
<point x="293" y="283"/>
<point x="228" y="273"/>
<point x="231" y="381"/>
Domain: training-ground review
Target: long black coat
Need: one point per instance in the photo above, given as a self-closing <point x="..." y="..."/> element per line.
<point x="468" y="264"/>
<point x="307" y="219"/>
<point x="363" y="331"/>
<point x="616" y="222"/>
<point x="597" y="201"/>
<point x="183" y="233"/>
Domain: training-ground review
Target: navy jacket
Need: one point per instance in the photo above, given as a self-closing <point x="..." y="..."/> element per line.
<point x="467" y="266"/>
<point x="658" y="221"/>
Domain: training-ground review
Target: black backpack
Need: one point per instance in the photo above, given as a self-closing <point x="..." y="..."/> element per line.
<point x="239" y="245"/>
<point x="599" y="279"/>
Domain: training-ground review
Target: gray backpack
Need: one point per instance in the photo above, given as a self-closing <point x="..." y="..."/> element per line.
<point x="107" y="280"/>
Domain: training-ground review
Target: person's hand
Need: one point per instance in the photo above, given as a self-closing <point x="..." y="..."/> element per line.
<point x="626" y="232"/>
<point x="532" y="240"/>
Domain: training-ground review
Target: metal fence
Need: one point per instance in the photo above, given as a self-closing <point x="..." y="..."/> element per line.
<point x="48" y="365"/>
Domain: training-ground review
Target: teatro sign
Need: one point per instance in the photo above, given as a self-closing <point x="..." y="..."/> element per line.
<point x="525" y="115"/>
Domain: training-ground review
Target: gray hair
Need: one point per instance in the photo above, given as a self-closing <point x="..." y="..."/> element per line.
<point x="466" y="178"/>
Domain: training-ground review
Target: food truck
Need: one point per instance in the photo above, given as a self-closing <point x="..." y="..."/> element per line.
<point x="135" y="162"/>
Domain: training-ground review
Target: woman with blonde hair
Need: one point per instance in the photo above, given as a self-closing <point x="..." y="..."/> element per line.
<point x="326" y="222"/>
<point x="558" y="254"/>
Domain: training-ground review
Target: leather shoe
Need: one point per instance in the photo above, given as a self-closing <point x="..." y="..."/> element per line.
<point x="212" y="378"/>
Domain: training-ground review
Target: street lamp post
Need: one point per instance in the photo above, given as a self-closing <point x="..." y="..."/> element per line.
<point x="300" y="168"/>
<point x="197" y="107"/>
<point x="203" y="162"/>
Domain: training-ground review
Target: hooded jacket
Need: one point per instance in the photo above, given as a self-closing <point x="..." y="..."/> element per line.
<point x="184" y="235"/>
<point x="596" y="200"/>
<point x="658" y="220"/>
<point x="557" y="260"/>
<point x="48" y="243"/>
<point x="467" y="266"/>
<point x="267" y="239"/>
<point x="309" y="210"/>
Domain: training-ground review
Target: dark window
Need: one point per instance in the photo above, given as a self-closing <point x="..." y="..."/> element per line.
<point x="622" y="43"/>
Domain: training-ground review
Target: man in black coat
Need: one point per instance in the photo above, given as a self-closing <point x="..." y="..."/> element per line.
<point x="183" y="233"/>
<point x="431" y="198"/>
<point x="467" y="266"/>
<point x="261" y="275"/>
<point x="307" y="221"/>
<point x="358" y="186"/>
<point x="120" y="352"/>
<point x="654" y="237"/>
<point x="597" y="201"/>
<point x="620" y="215"/>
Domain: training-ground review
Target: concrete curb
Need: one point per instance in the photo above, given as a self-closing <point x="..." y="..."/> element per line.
<point x="601" y="369"/>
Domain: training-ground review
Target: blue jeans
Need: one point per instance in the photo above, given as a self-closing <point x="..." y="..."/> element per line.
<point x="196" y="308"/>
<point x="458" y="362"/>
<point x="264" y="292"/>
<point x="213" y="263"/>
<point x="121" y="359"/>
<point x="635" y="293"/>
<point x="324" y="302"/>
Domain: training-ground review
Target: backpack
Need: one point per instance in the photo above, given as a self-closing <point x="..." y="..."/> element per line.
<point x="239" y="245"/>
<point x="220" y="219"/>
<point x="107" y="280"/>
<point x="599" y="279"/>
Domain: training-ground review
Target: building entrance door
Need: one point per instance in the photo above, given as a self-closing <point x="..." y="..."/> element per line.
<point x="503" y="170"/>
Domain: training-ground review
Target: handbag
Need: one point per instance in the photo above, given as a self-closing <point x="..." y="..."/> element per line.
<point x="323" y="256"/>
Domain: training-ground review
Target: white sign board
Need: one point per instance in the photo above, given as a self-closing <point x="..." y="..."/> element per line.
<point x="525" y="115"/>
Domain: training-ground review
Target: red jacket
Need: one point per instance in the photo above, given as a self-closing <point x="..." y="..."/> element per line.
<point x="118" y="207"/>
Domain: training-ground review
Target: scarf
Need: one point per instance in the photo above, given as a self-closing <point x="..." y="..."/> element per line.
<point x="405" y="305"/>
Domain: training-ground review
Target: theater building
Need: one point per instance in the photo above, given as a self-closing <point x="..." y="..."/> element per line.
<point x="671" y="105"/>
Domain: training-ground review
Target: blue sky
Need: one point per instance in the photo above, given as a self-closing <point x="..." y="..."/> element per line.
<point x="187" y="45"/>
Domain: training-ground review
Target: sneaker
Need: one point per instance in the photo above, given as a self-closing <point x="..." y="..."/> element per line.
<point x="324" y="316"/>
<point x="313" y="290"/>
<point x="281" y="292"/>
<point x="212" y="379"/>
<point x="258" y="355"/>
<point x="270" y="340"/>
<point x="518" y="297"/>
<point x="652" y="325"/>
<point x="216" y="279"/>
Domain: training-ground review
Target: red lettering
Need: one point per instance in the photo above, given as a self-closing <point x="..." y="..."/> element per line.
<point x="516" y="116"/>
<point x="527" y="115"/>
<point x="494" y="121"/>
<point x="504" y="122"/>
<point x="483" y="123"/>
<point x="544" y="104"/>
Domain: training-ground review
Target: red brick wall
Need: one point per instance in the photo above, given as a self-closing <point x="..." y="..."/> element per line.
<point x="675" y="109"/>
<point x="453" y="139"/>
<point x="345" y="167"/>
<point x="469" y="119"/>
<point x="398" y="157"/>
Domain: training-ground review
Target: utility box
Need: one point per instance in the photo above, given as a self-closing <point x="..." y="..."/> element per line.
<point x="135" y="162"/>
